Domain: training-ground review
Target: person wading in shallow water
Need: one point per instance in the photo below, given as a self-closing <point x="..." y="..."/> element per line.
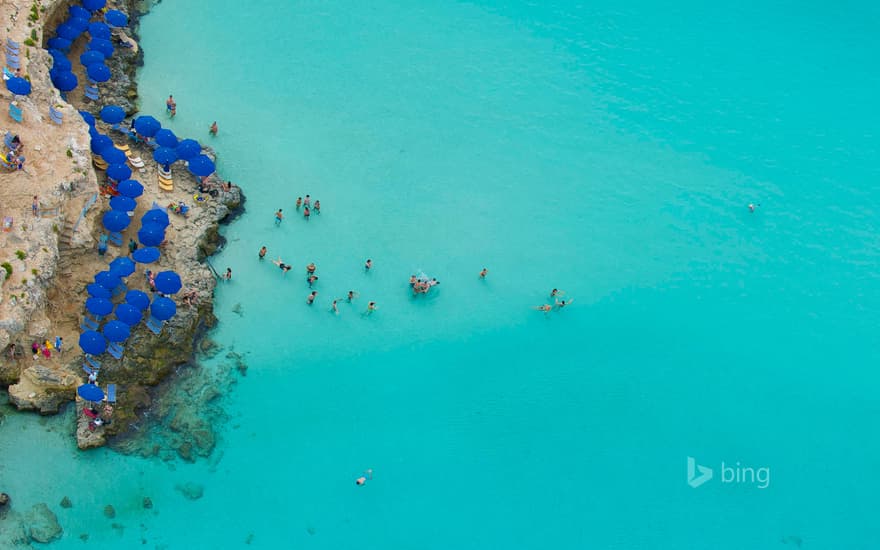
<point x="263" y="252"/>
<point x="213" y="129"/>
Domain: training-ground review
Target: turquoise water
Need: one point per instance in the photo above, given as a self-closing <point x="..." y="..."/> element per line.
<point x="608" y="150"/>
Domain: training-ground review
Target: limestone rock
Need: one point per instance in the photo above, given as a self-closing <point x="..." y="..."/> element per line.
<point x="65" y="503"/>
<point x="109" y="511"/>
<point x="192" y="491"/>
<point x="148" y="503"/>
<point x="42" y="525"/>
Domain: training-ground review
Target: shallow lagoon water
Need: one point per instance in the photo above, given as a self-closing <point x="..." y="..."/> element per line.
<point x="609" y="151"/>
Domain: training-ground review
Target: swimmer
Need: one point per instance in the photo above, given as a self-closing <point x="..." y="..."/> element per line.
<point x="413" y="281"/>
<point x="369" y="265"/>
<point x="281" y="265"/>
<point x="312" y="279"/>
<point x="213" y="129"/>
<point x="228" y="274"/>
<point x="317" y="207"/>
<point x="371" y="307"/>
<point x="351" y="296"/>
<point x="752" y="207"/>
<point x="333" y="307"/>
<point x="310" y="269"/>
<point x="278" y="217"/>
<point x="306" y="213"/>
<point x="563" y="303"/>
<point x="299" y="203"/>
<point x="545" y="308"/>
<point x="483" y="273"/>
<point x="554" y="292"/>
<point x="364" y="478"/>
<point x="311" y="299"/>
<point x="263" y="252"/>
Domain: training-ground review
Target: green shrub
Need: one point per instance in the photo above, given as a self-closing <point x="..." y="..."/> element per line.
<point x="20" y="254"/>
<point x="69" y="153"/>
<point x="34" y="35"/>
<point x="35" y="272"/>
<point x="8" y="267"/>
<point x="30" y="42"/>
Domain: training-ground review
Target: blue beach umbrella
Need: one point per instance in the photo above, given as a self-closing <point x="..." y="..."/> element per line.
<point x="151" y="234"/>
<point x="99" y="30"/>
<point x="201" y="165"/>
<point x="128" y="314"/>
<point x="107" y="280"/>
<point x="138" y="299"/>
<point x="94" y="5"/>
<point x="123" y="203"/>
<point x="163" y="308"/>
<point x="112" y="155"/>
<point x="98" y="72"/>
<point x="65" y="81"/>
<point x="130" y="188"/>
<point x="67" y="32"/>
<point x="118" y="172"/>
<point x="100" y="143"/>
<point x="122" y="266"/>
<point x="79" y="11"/>
<point x="157" y="217"/>
<point x="99" y="306"/>
<point x="78" y="23"/>
<point x="18" y="86"/>
<point x="164" y="155"/>
<point x="91" y="392"/>
<point x="61" y="64"/>
<point x="187" y="149"/>
<point x="146" y="125"/>
<point x="116" y="331"/>
<point x="116" y="18"/>
<point x="112" y="114"/>
<point x="97" y="291"/>
<point x="146" y="255"/>
<point x="59" y="43"/>
<point x="92" y="342"/>
<point x="168" y="282"/>
<point x="90" y="57"/>
<point x="88" y="117"/>
<point x="166" y="138"/>
<point x="103" y="46"/>
<point x="116" y="220"/>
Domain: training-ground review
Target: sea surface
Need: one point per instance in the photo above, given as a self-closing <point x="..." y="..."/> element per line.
<point x="607" y="149"/>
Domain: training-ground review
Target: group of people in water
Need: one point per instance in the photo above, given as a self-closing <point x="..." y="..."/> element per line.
<point x="312" y="278"/>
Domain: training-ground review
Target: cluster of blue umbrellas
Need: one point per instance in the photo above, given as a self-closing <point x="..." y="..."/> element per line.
<point x="99" y="49"/>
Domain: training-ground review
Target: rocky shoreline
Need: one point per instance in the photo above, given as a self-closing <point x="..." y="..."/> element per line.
<point x="155" y="369"/>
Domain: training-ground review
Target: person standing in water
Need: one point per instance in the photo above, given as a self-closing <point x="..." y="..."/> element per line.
<point x="311" y="299"/>
<point x="317" y="207"/>
<point x="213" y="129"/>
<point x="369" y="265"/>
<point x="483" y="273"/>
<point x="311" y="280"/>
<point x="263" y="253"/>
<point x="278" y="217"/>
<point x="228" y="274"/>
<point x="306" y="213"/>
<point x="371" y="307"/>
<point x="171" y="106"/>
<point x="334" y="308"/>
<point x="351" y="296"/>
<point x="299" y="203"/>
<point x="308" y="201"/>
